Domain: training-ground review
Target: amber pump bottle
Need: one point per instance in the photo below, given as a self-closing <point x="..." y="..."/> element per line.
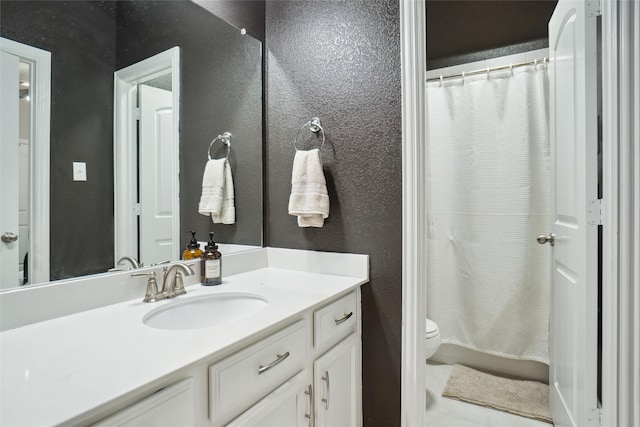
<point x="211" y="264"/>
<point x="193" y="250"/>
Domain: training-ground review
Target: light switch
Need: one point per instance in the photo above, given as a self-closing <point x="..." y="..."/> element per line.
<point x="79" y="171"/>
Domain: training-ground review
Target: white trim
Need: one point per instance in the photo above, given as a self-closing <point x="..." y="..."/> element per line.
<point x="621" y="246"/>
<point x="609" y="359"/>
<point x="39" y="165"/>
<point x="621" y="174"/>
<point x="125" y="154"/>
<point x="414" y="302"/>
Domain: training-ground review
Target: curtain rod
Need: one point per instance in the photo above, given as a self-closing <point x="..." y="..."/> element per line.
<point x="487" y="70"/>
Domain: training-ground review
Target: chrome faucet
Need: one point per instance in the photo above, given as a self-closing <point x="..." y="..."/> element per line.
<point x="131" y="260"/>
<point x="134" y="263"/>
<point x="172" y="286"/>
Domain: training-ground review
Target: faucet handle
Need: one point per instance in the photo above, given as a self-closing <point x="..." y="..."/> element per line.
<point x="152" y="293"/>
<point x="178" y="285"/>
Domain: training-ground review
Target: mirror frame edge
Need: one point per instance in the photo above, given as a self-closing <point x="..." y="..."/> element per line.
<point x="125" y="156"/>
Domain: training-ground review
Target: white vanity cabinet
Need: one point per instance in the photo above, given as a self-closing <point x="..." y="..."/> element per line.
<point x="337" y="378"/>
<point x="263" y="368"/>
<point x="238" y="381"/>
<point x="327" y="392"/>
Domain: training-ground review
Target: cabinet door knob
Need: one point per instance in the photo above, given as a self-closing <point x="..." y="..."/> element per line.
<point x="327" y="390"/>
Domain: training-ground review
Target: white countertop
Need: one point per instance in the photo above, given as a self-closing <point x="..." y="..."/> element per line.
<point x="57" y="370"/>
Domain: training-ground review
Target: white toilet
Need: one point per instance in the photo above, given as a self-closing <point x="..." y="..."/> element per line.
<point x="433" y="338"/>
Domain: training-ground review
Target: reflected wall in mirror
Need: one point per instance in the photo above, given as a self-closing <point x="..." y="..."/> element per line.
<point x="221" y="90"/>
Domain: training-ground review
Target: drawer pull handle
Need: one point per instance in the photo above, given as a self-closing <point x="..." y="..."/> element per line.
<point x="327" y="390"/>
<point x="345" y="318"/>
<point x="309" y="416"/>
<point x="280" y="358"/>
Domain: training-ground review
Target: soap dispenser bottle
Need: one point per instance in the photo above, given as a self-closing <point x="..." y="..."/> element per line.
<point x="211" y="264"/>
<point x="193" y="250"/>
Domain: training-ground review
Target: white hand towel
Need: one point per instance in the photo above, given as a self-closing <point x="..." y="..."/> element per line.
<point x="217" y="199"/>
<point x="309" y="200"/>
<point x="227" y="214"/>
<point x="212" y="184"/>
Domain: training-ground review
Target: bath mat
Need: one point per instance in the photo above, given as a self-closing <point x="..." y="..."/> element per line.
<point x="525" y="398"/>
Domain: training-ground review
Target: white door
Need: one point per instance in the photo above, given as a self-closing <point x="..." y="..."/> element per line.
<point x="574" y="309"/>
<point x="156" y="160"/>
<point x="9" y="171"/>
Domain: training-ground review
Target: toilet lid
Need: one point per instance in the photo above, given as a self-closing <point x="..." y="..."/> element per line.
<point x="432" y="328"/>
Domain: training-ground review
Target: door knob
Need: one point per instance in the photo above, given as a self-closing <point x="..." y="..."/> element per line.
<point x="542" y="239"/>
<point x="9" y="237"/>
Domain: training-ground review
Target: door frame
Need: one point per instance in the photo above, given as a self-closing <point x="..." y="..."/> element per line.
<point x="39" y="155"/>
<point x="413" y="40"/>
<point x="125" y="155"/>
<point x="621" y="210"/>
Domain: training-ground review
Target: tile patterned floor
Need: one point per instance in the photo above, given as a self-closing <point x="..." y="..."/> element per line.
<point x="445" y="412"/>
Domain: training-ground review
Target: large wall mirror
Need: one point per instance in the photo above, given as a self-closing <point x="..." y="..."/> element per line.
<point x="220" y="86"/>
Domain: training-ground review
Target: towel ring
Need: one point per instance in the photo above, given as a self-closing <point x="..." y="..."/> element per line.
<point x="225" y="138"/>
<point x="314" y="126"/>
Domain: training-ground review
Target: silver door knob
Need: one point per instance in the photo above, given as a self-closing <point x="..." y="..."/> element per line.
<point x="9" y="237"/>
<point x="542" y="239"/>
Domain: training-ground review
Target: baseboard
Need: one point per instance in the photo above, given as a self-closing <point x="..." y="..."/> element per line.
<point x="523" y="369"/>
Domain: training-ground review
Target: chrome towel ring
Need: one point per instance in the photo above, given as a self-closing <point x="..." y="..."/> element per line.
<point x="225" y="138"/>
<point x="314" y="126"/>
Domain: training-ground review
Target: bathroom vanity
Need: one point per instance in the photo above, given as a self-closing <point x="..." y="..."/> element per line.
<point x="281" y="347"/>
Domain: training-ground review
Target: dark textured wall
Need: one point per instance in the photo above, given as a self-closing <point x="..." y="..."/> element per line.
<point x="81" y="38"/>
<point x="340" y="61"/>
<point x="221" y="90"/>
<point x="459" y="28"/>
<point x="247" y="14"/>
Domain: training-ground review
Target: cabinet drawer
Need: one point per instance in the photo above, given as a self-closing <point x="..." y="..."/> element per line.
<point x="289" y="405"/>
<point x="170" y="406"/>
<point x="335" y="321"/>
<point x="240" y="380"/>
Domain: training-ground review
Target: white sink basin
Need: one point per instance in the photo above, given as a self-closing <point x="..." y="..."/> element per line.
<point x="204" y="311"/>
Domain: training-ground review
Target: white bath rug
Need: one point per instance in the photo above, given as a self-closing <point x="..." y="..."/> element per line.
<point x="521" y="397"/>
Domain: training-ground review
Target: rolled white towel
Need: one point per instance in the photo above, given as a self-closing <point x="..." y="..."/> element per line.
<point x="309" y="199"/>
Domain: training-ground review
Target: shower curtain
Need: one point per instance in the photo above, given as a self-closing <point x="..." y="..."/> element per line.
<point x="488" y="199"/>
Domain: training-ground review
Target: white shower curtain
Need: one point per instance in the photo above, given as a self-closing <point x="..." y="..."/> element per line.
<point x="488" y="198"/>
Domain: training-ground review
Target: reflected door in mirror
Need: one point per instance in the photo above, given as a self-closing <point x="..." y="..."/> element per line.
<point x="157" y="157"/>
<point x="14" y="158"/>
<point x="9" y="170"/>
